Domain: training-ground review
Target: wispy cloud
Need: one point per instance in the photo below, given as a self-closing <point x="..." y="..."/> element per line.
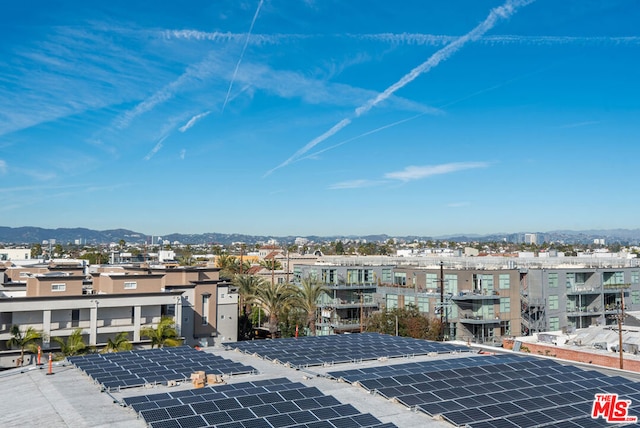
<point x="3" y="167"/>
<point x="356" y="184"/>
<point x="502" y="12"/>
<point x="183" y="153"/>
<point x="419" y="39"/>
<point x="579" y="124"/>
<point x="193" y="121"/>
<point x="244" y="48"/>
<point x="373" y="131"/>
<point x="155" y="149"/>
<point x="411" y="173"/>
<point x="255" y="39"/>
<point x="458" y="204"/>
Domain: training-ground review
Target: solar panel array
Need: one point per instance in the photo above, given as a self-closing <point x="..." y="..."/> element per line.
<point x="152" y="366"/>
<point x="272" y="403"/>
<point x="343" y="348"/>
<point x="497" y="391"/>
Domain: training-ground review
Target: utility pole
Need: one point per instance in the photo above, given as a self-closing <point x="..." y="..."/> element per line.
<point x="442" y="299"/>
<point x="361" y="315"/>
<point x="620" y="317"/>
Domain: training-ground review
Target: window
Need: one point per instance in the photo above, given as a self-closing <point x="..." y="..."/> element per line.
<point x="635" y="297"/>
<point x="280" y="280"/>
<point x="504" y="281"/>
<point x="553" y="280"/>
<point x="423" y="304"/>
<point x="487" y="282"/>
<point x="635" y="277"/>
<point x="505" y="304"/>
<point x="352" y="276"/>
<point x="75" y="317"/>
<point x="432" y="281"/>
<point x="205" y="309"/>
<point x="386" y="276"/>
<point x="392" y="301"/>
<point x="571" y="279"/>
<point x="612" y="278"/>
<point x="59" y="287"/>
<point x="451" y="283"/>
<point x="553" y="302"/>
<point x="554" y="323"/>
<point x="400" y="278"/>
<point x="130" y="285"/>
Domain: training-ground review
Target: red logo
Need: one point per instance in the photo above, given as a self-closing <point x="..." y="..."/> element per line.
<point x="611" y="409"/>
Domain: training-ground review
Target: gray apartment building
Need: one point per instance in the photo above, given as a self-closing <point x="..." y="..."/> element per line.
<point x="352" y="294"/>
<point x="482" y="299"/>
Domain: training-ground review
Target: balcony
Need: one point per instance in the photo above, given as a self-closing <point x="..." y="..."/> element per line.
<point x="577" y="289"/>
<point x="478" y="319"/>
<point x="477" y="295"/>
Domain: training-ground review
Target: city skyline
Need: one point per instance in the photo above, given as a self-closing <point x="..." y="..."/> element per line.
<point x="320" y="117"/>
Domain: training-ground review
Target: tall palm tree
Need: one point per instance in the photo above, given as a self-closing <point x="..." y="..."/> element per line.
<point x="271" y="264"/>
<point x="247" y="286"/>
<point x="310" y="292"/>
<point x="26" y="341"/>
<point x="119" y="343"/>
<point x="274" y="299"/>
<point x="74" y="345"/>
<point x="163" y="335"/>
<point x="231" y="265"/>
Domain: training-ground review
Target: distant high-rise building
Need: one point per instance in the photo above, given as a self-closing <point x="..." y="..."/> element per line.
<point x="530" y="238"/>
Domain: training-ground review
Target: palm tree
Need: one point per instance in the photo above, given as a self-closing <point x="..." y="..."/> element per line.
<point x="164" y="335"/>
<point x="310" y="292"/>
<point x="26" y="341"/>
<point x="275" y="299"/>
<point x="119" y="343"/>
<point x="74" y="345"/>
<point x="271" y="264"/>
<point x="247" y="286"/>
<point x="231" y="265"/>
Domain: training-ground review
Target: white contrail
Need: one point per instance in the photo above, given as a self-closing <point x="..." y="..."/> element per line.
<point x="246" y="42"/>
<point x="155" y="149"/>
<point x="373" y="131"/>
<point x="501" y="12"/>
<point x="193" y="121"/>
<point x="442" y="39"/>
<point x="337" y="127"/>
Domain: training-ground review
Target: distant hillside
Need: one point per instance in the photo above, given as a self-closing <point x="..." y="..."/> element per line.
<point x="31" y="235"/>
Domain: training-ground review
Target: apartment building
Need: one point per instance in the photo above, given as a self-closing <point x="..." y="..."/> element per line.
<point x="474" y="304"/>
<point x="106" y="300"/>
<point x="352" y="294"/>
<point x="570" y="297"/>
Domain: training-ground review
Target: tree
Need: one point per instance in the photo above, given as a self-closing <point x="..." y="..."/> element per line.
<point x="163" y="335"/>
<point x="310" y="292"/>
<point x="26" y="341"/>
<point x="231" y="265"/>
<point x="119" y="343"/>
<point x="409" y="321"/>
<point x="247" y="286"/>
<point x="271" y="264"/>
<point x="36" y="251"/>
<point x="339" y="248"/>
<point x="74" y="345"/>
<point x="275" y="299"/>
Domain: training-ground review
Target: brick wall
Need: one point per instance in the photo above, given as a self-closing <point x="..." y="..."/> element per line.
<point x="612" y="361"/>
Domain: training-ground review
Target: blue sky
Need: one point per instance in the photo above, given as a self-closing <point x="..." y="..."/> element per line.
<point x="283" y="117"/>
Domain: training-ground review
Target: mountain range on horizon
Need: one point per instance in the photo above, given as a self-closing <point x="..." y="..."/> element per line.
<point x="31" y="235"/>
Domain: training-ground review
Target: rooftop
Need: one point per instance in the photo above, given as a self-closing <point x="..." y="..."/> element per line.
<point x="458" y="387"/>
